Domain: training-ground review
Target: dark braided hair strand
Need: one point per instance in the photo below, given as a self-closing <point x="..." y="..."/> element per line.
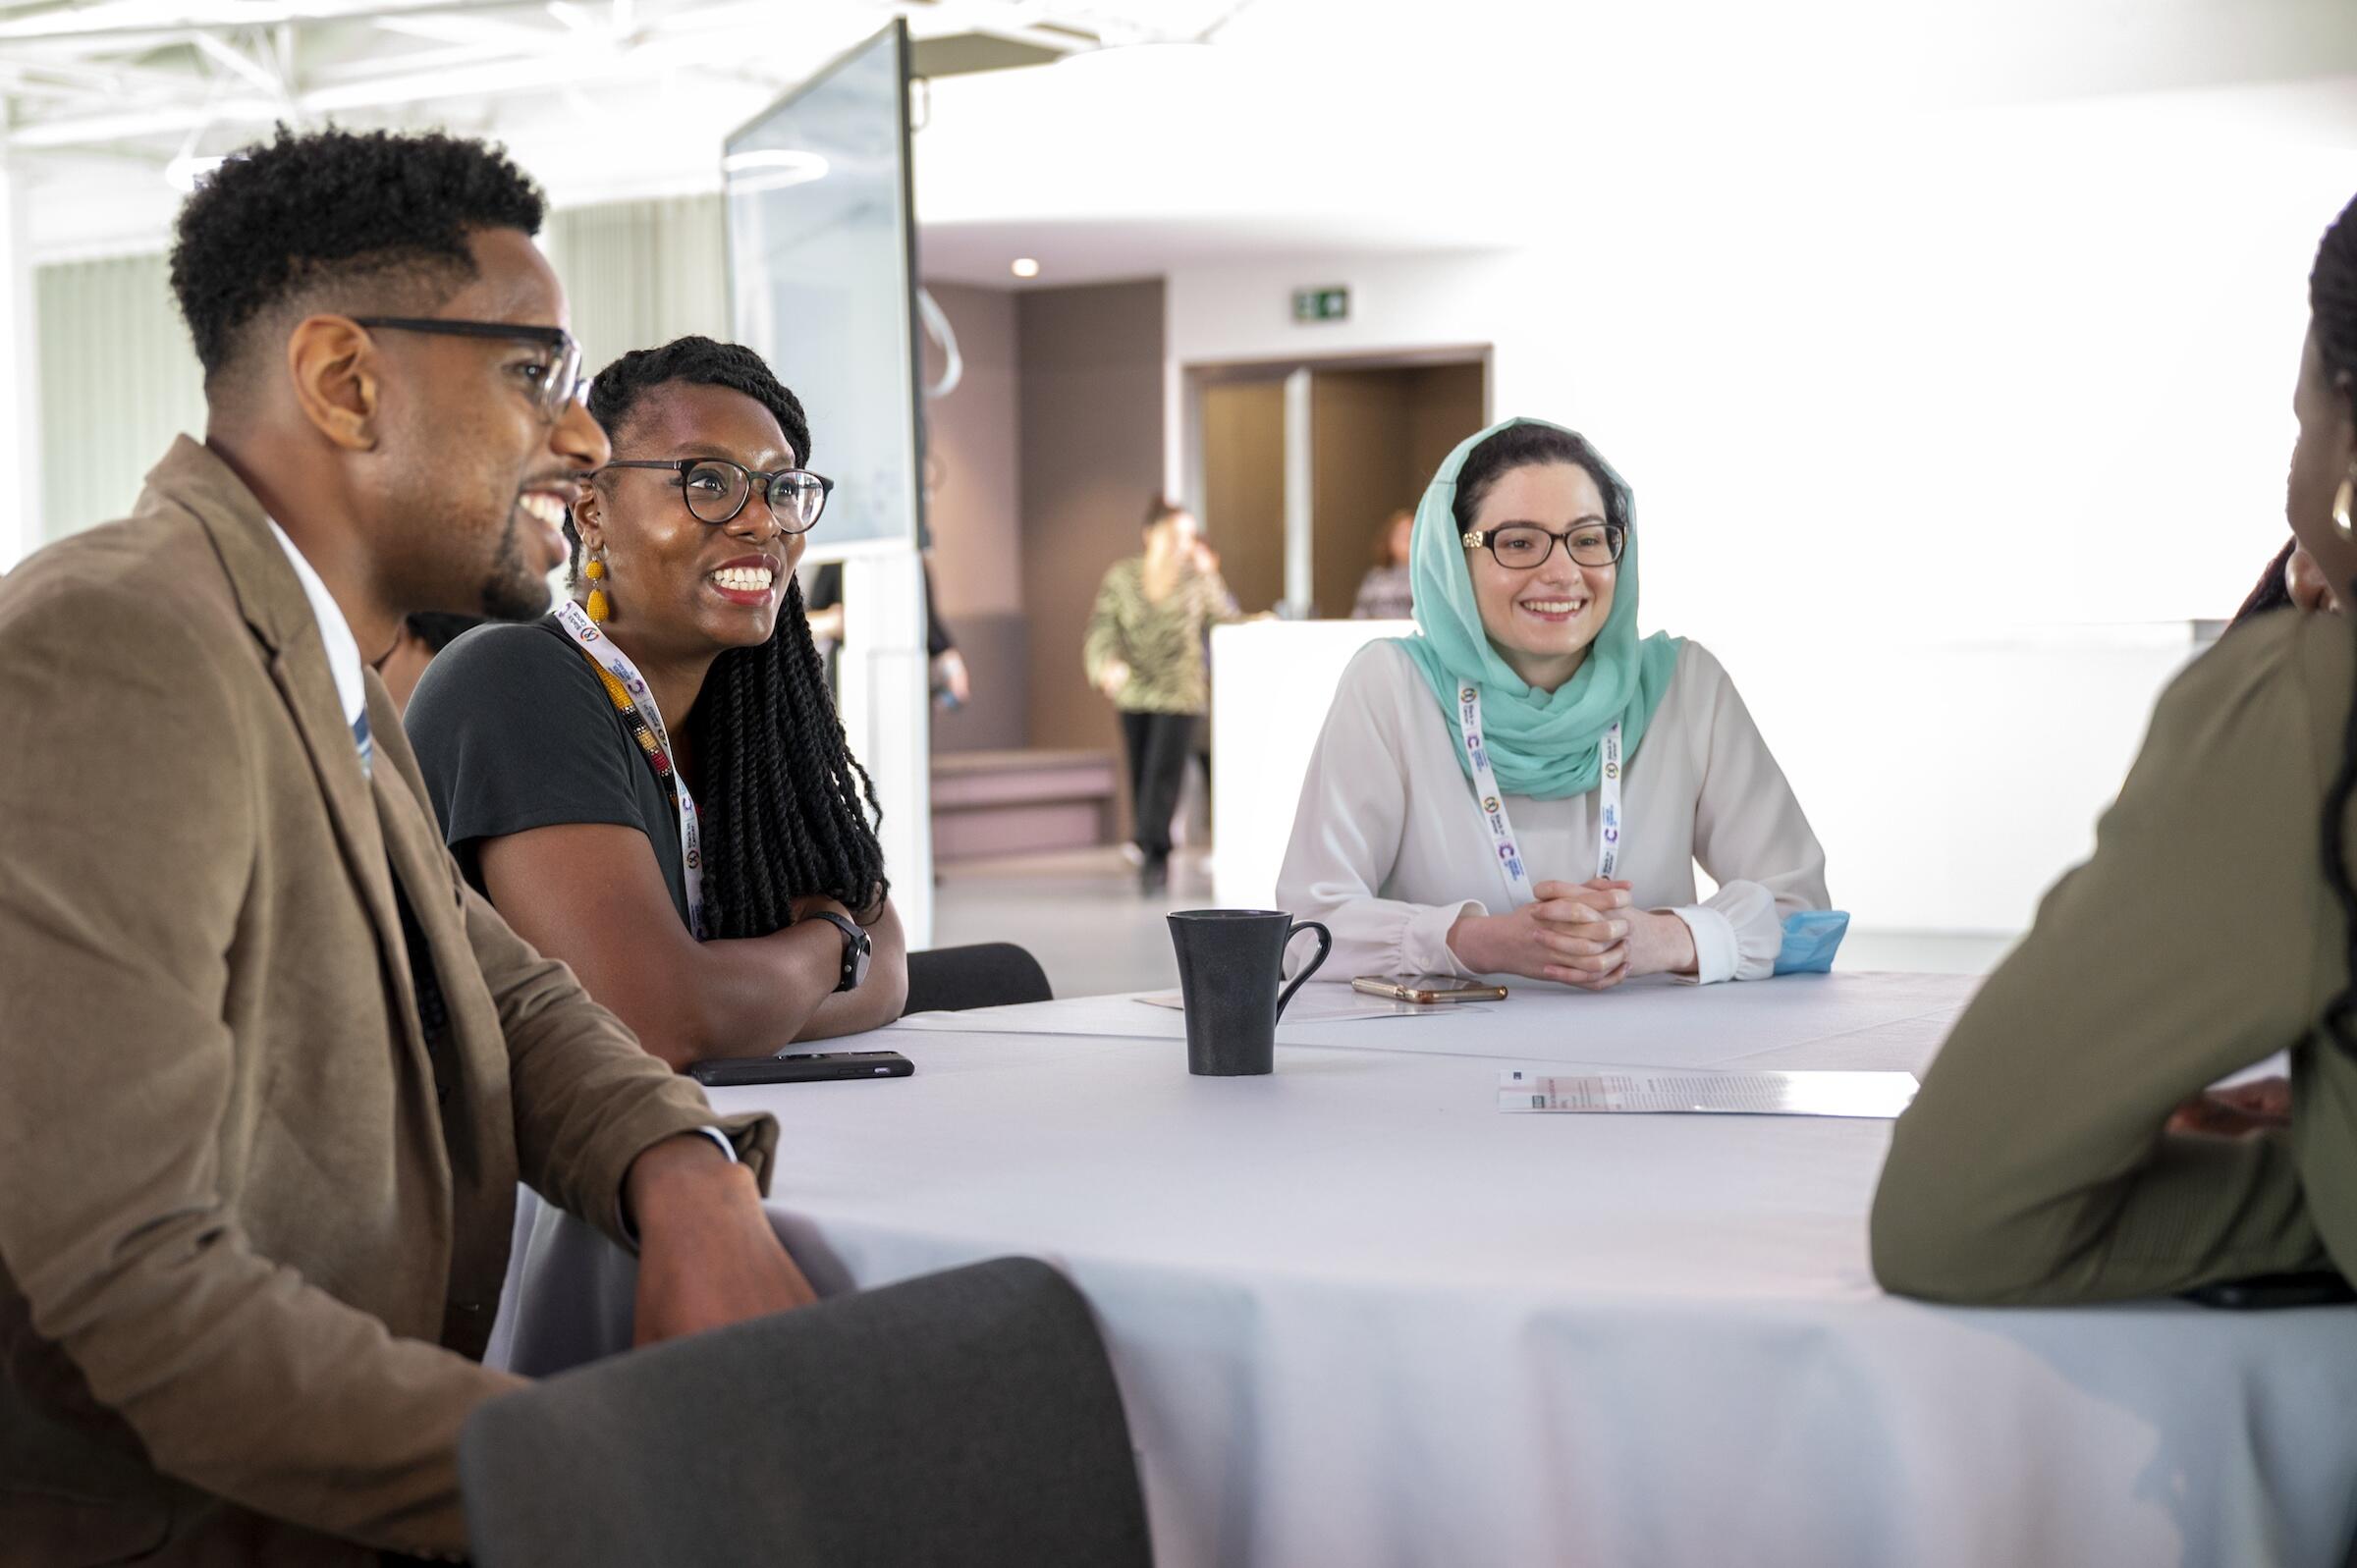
<point x="788" y="811"/>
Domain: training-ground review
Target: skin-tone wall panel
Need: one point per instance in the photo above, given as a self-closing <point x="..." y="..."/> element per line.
<point x="975" y="504"/>
<point x="1091" y="455"/>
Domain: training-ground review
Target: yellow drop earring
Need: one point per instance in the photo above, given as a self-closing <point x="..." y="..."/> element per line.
<point x="599" y="607"/>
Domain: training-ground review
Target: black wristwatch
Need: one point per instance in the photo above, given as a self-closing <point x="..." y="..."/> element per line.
<point x="856" y="951"/>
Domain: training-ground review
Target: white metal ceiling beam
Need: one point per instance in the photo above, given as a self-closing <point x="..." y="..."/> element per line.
<point x="451" y="26"/>
<point x="118" y="18"/>
<point x="238" y="63"/>
<point x="81" y="131"/>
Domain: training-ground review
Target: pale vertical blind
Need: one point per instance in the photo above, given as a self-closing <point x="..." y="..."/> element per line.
<point x="642" y="273"/>
<point x="119" y="380"/>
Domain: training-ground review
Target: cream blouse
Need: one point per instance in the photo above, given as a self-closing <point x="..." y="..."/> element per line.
<point x="1390" y="846"/>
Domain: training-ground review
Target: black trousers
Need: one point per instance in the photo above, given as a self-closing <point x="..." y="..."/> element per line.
<point x="1159" y="744"/>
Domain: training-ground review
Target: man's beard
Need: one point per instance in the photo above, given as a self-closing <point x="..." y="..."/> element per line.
<point x="513" y="590"/>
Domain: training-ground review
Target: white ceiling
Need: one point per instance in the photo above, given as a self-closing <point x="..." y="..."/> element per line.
<point x="1297" y="127"/>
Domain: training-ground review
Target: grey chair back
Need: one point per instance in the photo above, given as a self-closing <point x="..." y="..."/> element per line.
<point x="967" y="1418"/>
<point x="987" y="974"/>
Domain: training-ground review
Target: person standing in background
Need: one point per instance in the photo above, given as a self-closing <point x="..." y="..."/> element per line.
<point x="1144" y="650"/>
<point x="950" y="683"/>
<point x="1383" y="593"/>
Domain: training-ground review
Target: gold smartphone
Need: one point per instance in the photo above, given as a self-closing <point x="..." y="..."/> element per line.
<point x="1428" y="989"/>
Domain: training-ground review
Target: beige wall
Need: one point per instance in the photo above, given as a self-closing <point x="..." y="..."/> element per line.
<point x="974" y="460"/>
<point x="1090" y="440"/>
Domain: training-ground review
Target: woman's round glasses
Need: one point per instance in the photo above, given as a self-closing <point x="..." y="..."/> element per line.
<point x="717" y="489"/>
<point x="1523" y="546"/>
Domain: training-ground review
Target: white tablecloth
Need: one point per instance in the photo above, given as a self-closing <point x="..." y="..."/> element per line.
<point x="1360" y="1317"/>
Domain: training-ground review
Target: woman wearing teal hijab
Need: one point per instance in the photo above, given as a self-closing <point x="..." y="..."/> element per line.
<point x="1524" y="788"/>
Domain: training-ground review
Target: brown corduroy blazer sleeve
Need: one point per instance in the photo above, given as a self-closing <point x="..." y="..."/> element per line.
<point x="587" y="1097"/>
<point x="128" y="834"/>
<point x="2199" y="938"/>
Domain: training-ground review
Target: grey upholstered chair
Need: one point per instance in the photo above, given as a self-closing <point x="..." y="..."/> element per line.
<point x="967" y="1418"/>
<point x="987" y="974"/>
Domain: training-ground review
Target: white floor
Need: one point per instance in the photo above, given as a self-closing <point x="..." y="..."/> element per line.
<point x="1082" y="917"/>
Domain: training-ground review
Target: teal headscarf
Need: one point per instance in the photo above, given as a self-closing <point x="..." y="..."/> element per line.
<point x="1543" y="743"/>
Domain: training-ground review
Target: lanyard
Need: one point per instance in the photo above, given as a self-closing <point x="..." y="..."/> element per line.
<point x="1493" y="800"/>
<point x="626" y="689"/>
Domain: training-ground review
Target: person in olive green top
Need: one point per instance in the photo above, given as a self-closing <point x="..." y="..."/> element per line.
<point x="2212" y="928"/>
<point x="1145" y="650"/>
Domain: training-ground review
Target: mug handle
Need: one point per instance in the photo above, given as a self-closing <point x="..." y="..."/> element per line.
<point x="1324" y="947"/>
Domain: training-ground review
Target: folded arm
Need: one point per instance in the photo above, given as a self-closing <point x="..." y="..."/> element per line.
<point x="592" y="895"/>
<point x="2033" y="1165"/>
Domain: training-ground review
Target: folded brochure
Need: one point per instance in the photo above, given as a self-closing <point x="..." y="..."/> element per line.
<point x="1881" y="1095"/>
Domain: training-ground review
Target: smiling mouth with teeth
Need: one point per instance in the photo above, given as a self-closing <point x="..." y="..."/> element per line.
<point x="1555" y="606"/>
<point x="542" y="507"/>
<point x="744" y="579"/>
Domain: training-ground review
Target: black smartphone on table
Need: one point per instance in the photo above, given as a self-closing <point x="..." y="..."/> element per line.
<point x="732" y="1072"/>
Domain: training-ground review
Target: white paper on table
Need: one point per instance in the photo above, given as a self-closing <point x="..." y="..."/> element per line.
<point x="1744" y="1094"/>
<point x="1332" y="1004"/>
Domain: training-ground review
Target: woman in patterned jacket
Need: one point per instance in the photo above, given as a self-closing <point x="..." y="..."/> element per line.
<point x="1145" y="650"/>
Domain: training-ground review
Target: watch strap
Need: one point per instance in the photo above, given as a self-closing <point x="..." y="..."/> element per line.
<point x="855" y="944"/>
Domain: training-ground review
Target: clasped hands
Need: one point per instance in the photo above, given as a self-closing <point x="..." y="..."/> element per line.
<point x="1582" y="935"/>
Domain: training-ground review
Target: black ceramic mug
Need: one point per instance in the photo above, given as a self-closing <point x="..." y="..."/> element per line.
<point x="1231" y="964"/>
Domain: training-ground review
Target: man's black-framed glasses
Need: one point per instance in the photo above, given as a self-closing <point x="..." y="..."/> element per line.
<point x="1524" y="546"/>
<point x="555" y="382"/>
<point x="717" y="489"/>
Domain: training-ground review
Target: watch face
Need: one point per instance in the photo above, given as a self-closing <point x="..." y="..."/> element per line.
<point x="859" y="958"/>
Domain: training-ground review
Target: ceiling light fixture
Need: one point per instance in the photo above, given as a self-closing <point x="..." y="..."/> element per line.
<point x="1024" y="267"/>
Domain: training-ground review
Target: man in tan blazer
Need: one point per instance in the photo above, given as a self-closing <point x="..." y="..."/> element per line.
<point x="270" y="1071"/>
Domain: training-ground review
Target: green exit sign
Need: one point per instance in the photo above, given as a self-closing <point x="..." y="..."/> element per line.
<point x="1322" y="305"/>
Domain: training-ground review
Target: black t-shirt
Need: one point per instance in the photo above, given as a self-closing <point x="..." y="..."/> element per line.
<point x="514" y="730"/>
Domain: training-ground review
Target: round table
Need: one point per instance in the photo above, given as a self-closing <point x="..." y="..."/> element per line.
<point x="1360" y="1316"/>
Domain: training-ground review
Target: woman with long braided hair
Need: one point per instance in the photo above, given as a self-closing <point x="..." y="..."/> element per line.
<point x="2213" y="927"/>
<point x="652" y="784"/>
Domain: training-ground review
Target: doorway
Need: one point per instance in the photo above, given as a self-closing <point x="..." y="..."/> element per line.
<point x="1296" y="468"/>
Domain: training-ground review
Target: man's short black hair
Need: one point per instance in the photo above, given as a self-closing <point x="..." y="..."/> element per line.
<point x="338" y="210"/>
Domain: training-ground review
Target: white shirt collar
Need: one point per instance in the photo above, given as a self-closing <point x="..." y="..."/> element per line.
<point x="342" y="650"/>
